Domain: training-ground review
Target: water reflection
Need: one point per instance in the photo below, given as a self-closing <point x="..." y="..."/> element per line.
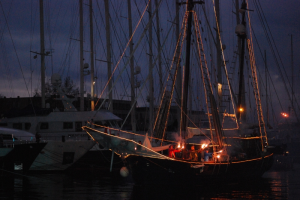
<point x="245" y="190"/>
<point x="273" y="185"/>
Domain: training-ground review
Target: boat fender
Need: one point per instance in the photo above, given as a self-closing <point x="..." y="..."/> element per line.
<point x="124" y="172"/>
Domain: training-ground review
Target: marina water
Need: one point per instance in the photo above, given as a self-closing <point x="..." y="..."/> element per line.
<point x="275" y="184"/>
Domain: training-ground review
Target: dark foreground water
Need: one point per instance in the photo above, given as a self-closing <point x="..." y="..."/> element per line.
<point x="274" y="185"/>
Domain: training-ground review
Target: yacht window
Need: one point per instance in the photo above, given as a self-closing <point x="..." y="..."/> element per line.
<point x="44" y="125"/>
<point x="78" y="126"/>
<point x="27" y="126"/>
<point x="68" y="125"/>
<point x="7" y="137"/>
<point x="17" y="126"/>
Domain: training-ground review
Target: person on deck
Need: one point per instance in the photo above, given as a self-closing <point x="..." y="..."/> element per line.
<point x="185" y="152"/>
<point x="172" y="151"/>
<point x="206" y="155"/>
<point x="199" y="154"/>
<point x="193" y="154"/>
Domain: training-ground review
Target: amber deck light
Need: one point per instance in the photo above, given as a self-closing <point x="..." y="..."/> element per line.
<point x="241" y="109"/>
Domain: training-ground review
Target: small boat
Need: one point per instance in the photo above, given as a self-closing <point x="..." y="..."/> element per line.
<point x="18" y="150"/>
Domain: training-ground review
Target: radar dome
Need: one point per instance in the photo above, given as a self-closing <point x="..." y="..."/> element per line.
<point x="240" y="29"/>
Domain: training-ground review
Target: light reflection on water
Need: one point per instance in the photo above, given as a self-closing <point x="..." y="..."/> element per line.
<point x="273" y="185"/>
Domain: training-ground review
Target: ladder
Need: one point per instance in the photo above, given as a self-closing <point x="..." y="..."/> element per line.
<point x="212" y="110"/>
<point x="262" y="128"/>
<point x="163" y="111"/>
<point x="227" y="96"/>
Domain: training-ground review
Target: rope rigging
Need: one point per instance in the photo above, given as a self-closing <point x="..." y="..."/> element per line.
<point x="275" y="52"/>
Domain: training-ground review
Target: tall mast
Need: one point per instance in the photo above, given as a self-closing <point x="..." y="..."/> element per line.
<point x="241" y="114"/>
<point x="190" y="6"/>
<point x="266" y="76"/>
<point x="151" y="106"/>
<point x="81" y="56"/>
<point x="108" y="56"/>
<point x="292" y="65"/>
<point x="92" y="56"/>
<point x="178" y="78"/>
<point x="42" y="52"/>
<point x="133" y="119"/>
<point x="158" y="50"/>
<point x="219" y="55"/>
<point x="238" y="21"/>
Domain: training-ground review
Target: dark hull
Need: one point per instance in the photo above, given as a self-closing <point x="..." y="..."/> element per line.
<point x="152" y="170"/>
<point x="97" y="161"/>
<point x="19" y="160"/>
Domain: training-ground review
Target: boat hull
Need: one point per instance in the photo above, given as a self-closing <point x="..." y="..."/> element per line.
<point x="20" y="158"/>
<point x="153" y="170"/>
<point x="58" y="156"/>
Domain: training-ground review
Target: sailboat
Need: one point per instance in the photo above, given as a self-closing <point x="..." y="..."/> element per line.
<point x="228" y="153"/>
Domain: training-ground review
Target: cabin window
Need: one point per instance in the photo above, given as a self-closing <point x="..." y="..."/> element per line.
<point x="68" y="125"/>
<point x="27" y="126"/>
<point x="17" y="126"/>
<point x="3" y="124"/>
<point x="44" y="125"/>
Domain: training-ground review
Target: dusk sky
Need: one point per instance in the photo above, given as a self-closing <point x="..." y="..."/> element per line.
<point x="19" y="34"/>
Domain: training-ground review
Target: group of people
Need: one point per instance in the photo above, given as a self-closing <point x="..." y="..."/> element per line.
<point x="187" y="154"/>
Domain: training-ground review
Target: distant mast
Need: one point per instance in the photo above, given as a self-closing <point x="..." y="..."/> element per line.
<point x="42" y="52"/>
<point x="108" y="56"/>
<point x="132" y="73"/>
<point x="92" y="57"/>
<point x="292" y="65"/>
<point x="81" y="55"/>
